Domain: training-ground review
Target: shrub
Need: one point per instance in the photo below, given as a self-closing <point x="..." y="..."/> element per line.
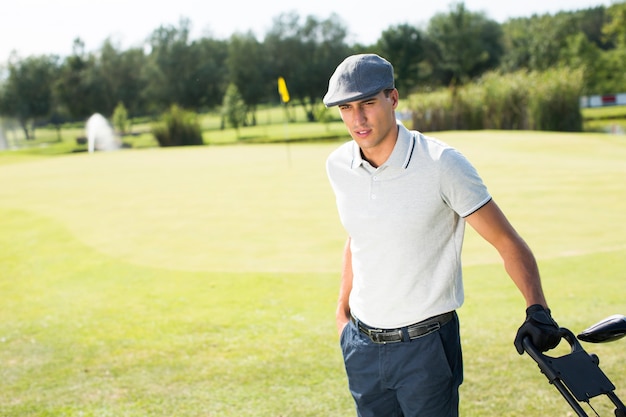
<point x="234" y="108"/>
<point x="468" y="108"/>
<point x="555" y="100"/>
<point x="178" y="127"/>
<point x="120" y="119"/>
<point x="449" y="109"/>
<point x="505" y="101"/>
<point x="542" y="101"/>
<point x="431" y="111"/>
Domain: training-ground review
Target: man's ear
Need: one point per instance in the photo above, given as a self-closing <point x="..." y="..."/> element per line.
<point x="394" y="96"/>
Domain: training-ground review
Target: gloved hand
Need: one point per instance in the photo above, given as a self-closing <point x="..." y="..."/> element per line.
<point x="540" y="327"/>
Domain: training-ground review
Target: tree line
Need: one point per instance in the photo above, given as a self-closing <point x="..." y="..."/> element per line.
<point x="454" y="48"/>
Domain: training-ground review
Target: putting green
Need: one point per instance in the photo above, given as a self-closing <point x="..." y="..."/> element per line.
<point x="237" y="208"/>
<point x="267" y="208"/>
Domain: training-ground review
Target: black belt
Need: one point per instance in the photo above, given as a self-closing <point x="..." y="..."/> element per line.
<point x="413" y="331"/>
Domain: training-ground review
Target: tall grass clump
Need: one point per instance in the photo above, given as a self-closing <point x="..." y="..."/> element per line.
<point x="431" y="111"/>
<point x="448" y="109"/>
<point x="178" y="127"/>
<point x="516" y="101"/>
<point x="468" y="111"/>
<point x="505" y="101"/>
<point x="555" y="100"/>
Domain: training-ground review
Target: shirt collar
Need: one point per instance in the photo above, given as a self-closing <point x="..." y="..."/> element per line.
<point x="400" y="156"/>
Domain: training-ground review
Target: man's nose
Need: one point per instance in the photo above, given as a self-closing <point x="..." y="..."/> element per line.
<point x="359" y="116"/>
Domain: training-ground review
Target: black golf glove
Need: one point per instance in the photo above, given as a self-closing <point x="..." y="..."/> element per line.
<point x="540" y="327"/>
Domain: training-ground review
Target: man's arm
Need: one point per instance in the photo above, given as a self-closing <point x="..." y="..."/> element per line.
<point x="521" y="265"/>
<point x="343" y="308"/>
<point x="519" y="261"/>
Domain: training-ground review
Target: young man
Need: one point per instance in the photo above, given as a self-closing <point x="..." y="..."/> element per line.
<point x="404" y="199"/>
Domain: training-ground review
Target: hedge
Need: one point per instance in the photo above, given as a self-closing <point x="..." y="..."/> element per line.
<point x="515" y="101"/>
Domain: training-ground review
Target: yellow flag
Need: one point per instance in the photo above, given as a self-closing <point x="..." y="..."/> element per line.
<point x="282" y="90"/>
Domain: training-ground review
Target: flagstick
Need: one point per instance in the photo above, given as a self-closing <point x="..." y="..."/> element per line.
<point x="284" y="96"/>
<point x="287" y="137"/>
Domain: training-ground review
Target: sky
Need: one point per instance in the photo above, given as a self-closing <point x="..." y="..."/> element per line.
<point x="42" y="27"/>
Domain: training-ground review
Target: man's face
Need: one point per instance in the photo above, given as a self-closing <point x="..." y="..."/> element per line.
<point x="372" y="121"/>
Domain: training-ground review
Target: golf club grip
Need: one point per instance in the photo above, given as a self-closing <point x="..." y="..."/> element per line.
<point x="532" y="351"/>
<point x="563" y="333"/>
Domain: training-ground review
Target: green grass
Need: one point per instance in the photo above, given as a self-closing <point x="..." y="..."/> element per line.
<point x="202" y="281"/>
<point x="272" y="125"/>
<point x="47" y="141"/>
<point x="607" y="112"/>
<point x="610" y="119"/>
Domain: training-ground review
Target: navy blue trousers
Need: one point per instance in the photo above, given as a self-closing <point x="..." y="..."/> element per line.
<point x="418" y="378"/>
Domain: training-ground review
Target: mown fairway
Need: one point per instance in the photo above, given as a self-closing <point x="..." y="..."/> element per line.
<point x="202" y="281"/>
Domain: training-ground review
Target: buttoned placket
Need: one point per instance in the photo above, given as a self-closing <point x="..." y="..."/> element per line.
<point x="375" y="182"/>
<point x="374" y="187"/>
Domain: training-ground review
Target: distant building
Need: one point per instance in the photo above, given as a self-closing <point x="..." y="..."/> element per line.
<point x="604" y="100"/>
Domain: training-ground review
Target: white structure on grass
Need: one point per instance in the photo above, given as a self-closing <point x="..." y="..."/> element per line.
<point x="100" y="134"/>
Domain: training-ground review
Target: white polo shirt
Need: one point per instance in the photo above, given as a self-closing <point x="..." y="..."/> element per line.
<point x="405" y="219"/>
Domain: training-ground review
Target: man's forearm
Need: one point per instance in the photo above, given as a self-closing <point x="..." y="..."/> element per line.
<point x="523" y="270"/>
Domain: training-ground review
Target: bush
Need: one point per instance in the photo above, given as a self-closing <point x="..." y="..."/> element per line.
<point x="234" y="108"/>
<point x="120" y="119"/>
<point x="431" y="111"/>
<point x="555" y="100"/>
<point x="505" y="101"/>
<point x="541" y="101"/>
<point x="178" y="128"/>
<point x="468" y="108"/>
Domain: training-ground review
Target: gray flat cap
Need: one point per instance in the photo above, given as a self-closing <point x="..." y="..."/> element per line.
<point x="358" y="77"/>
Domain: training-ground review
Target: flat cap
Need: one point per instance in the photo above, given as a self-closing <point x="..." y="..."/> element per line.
<point x="358" y="77"/>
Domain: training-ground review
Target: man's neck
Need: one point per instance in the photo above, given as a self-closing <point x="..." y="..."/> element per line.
<point x="378" y="155"/>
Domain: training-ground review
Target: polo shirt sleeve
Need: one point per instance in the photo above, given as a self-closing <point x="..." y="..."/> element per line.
<point x="461" y="186"/>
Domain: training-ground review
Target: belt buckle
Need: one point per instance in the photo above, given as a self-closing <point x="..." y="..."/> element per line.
<point x="377" y="336"/>
<point x="374" y="335"/>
